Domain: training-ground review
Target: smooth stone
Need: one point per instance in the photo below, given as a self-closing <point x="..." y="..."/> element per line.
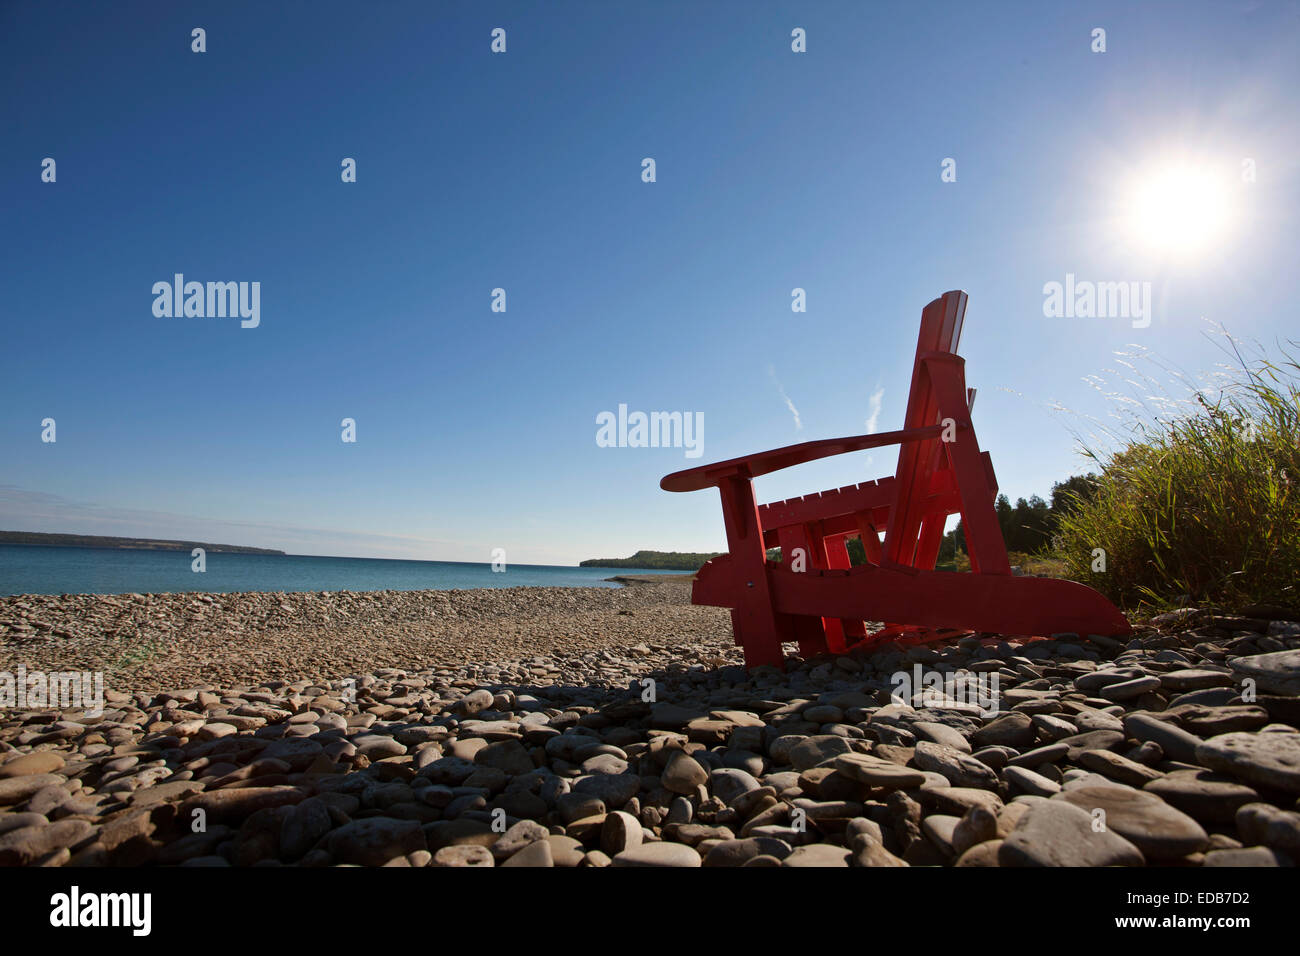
<point x="818" y="855"/>
<point x="961" y="770"/>
<point x="464" y="855"/>
<point x="729" y="783"/>
<point x="373" y="841"/>
<point x="940" y="829"/>
<point x="823" y="714"/>
<point x="737" y="852"/>
<point x="1054" y="728"/>
<point x="1193" y="678"/>
<point x="1095" y="681"/>
<point x="1026" y="781"/>
<point x="659" y="854"/>
<point x="683" y="774"/>
<point x="27" y="845"/>
<point x="1213" y="721"/>
<point x="1277" y="673"/>
<point x="1270" y="760"/>
<point x="1158" y="830"/>
<point x="978" y="825"/>
<point x="604" y="763"/>
<point x="537" y="854"/>
<point x="982" y="854"/>
<point x="1250" y="856"/>
<point x="958" y="800"/>
<point x="303" y="826"/>
<point x="1056" y="833"/>
<point x="666" y="716"/>
<point x="814" y="750"/>
<point x="1202" y="794"/>
<point x="509" y="756"/>
<point x="870" y="852"/>
<point x="1265" y="824"/>
<point x="614" y="790"/>
<point x="1010" y="730"/>
<point x="942" y="734"/>
<point x="575" y="806"/>
<point x="565" y="851"/>
<point x="620" y="832"/>
<point x="1092" y="740"/>
<point x="520" y="835"/>
<point x="14" y="821"/>
<point x="875" y="772"/>
<point x="1049" y="753"/>
<point x="1177" y="743"/>
<point x="40" y="762"/>
<point x="1089" y="720"/>
<point x="1117" y="767"/>
<point x="1210" y="697"/>
<point x="17" y="789"/>
<point x="1127" y="690"/>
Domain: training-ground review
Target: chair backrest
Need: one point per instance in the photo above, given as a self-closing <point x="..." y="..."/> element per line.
<point x="941" y="324"/>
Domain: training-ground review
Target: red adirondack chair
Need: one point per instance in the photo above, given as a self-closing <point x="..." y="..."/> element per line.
<point x="941" y="471"/>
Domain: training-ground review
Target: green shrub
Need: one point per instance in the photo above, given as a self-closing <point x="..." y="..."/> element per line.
<point x="1200" y="505"/>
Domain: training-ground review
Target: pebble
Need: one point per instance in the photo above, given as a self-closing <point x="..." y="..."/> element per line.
<point x="1026" y="781"/>
<point x="1270" y="760"/>
<point x="1265" y="824"/>
<point x="1158" y="830"/>
<point x="1055" y="833"/>
<point x="1277" y="673"/>
<point x="40" y="762"/>
<point x="683" y="774"/>
<point x="961" y="770"/>
<point x="464" y="855"/>
<point x="1203" y="794"/>
<point x="659" y="854"/>
<point x="875" y="772"/>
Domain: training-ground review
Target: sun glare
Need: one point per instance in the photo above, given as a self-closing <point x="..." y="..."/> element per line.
<point x="1179" y="210"/>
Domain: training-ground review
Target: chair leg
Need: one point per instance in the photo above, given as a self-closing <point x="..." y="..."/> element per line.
<point x="810" y="632"/>
<point x="754" y="619"/>
<point x="841" y="632"/>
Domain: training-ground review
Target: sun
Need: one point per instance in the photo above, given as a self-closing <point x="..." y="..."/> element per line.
<point x="1179" y="210"/>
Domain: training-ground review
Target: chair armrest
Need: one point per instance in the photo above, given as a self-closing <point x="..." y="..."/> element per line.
<point x="751" y="466"/>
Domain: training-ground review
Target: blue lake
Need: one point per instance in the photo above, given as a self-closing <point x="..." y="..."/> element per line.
<point x="39" y="569"/>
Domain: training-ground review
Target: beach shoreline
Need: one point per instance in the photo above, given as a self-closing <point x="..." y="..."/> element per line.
<point x="564" y="727"/>
<point x="164" y="641"/>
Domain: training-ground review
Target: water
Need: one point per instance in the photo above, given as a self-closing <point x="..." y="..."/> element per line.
<point x="40" y="569"/>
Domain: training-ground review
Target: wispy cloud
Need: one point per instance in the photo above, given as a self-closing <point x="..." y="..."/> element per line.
<point x="873" y="407"/>
<point x="798" y="425"/>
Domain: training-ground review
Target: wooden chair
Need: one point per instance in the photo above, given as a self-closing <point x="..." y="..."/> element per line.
<point x="825" y="605"/>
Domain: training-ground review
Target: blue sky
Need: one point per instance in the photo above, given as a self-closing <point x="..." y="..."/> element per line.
<point x="522" y="170"/>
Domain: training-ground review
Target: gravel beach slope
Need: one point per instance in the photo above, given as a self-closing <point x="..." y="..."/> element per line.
<point x="574" y="727"/>
<point x="165" y="641"/>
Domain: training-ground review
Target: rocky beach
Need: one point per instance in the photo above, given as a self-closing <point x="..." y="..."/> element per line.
<point x="581" y="727"/>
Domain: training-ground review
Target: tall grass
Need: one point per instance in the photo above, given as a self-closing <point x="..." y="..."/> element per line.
<point x="1199" y="503"/>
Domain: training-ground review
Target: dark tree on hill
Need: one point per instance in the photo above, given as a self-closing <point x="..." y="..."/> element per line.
<point x="1029" y="525"/>
<point x="1069" y="494"/>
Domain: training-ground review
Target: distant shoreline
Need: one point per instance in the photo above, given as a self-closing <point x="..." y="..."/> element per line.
<point x="688" y="561"/>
